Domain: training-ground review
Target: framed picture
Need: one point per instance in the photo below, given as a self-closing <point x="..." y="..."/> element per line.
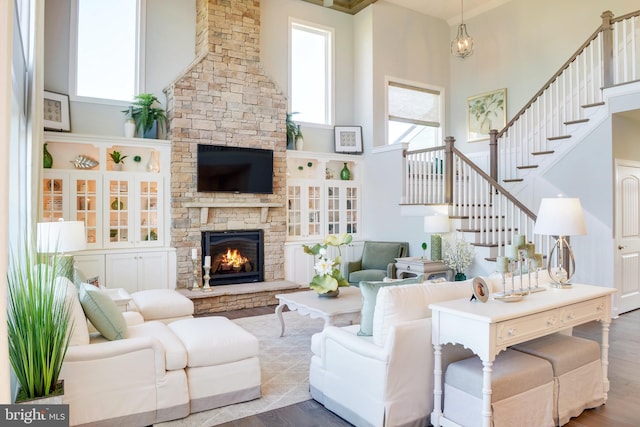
<point x="56" y="112"/>
<point x="348" y="139"/>
<point x="485" y="112"/>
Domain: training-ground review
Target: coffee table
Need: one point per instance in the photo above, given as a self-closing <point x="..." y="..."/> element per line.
<point x="345" y="306"/>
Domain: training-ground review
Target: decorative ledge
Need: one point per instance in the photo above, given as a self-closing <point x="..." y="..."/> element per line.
<point x="205" y="206"/>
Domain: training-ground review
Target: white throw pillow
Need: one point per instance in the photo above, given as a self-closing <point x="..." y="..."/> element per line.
<point x="103" y="313"/>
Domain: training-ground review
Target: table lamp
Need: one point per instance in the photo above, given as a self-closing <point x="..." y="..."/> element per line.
<point x="560" y="217"/>
<point x="436" y="224"/>
<point x="61" y="237"/>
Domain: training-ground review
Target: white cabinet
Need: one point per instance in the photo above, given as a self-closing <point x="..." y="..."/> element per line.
<point x="126" y="212"/>
<point x="318" y="201"/>
<point x="137" y="271"/>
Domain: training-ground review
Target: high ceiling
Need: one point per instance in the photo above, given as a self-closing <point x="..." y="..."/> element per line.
<point x="448" y="10"/>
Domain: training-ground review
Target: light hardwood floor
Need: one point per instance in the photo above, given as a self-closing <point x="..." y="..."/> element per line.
<point x="622" y="408"/>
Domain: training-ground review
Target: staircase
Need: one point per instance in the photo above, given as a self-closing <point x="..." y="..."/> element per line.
<point x="489" y="208"/>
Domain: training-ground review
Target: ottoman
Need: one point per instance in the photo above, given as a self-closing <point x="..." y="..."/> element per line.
<point x="222" y="362"/>
<point x="521" y="385"/>
<point x="164" y="305"/>
<point x="577" y="372"/>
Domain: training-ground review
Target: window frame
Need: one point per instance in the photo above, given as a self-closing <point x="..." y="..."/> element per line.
<point x="139" y="83"/>
<point x="392" y="81"/>
<point x="329" y="71"/>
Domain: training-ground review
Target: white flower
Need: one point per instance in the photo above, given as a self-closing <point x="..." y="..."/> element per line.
<point x="458" y="255"/>
<point x="323" y="266"/>
<point x="322" y="252"/>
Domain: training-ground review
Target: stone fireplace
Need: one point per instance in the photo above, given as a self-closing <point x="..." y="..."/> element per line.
<point x="225" y="98"/>
<point x="236" y="256"/>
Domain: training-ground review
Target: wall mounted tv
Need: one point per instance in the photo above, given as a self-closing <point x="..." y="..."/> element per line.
<point x="235" y="169"/>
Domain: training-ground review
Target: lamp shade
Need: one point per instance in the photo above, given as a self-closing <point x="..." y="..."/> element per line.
<point x="60" y="237"/>
<point x="560" y="217"/>
<point x="436" y="224"/>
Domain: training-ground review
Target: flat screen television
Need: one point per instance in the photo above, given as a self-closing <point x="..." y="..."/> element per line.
<point x="234" y="169"/>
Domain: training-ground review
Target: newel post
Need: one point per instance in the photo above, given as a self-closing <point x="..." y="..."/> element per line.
<point x="493" y="154"/>
<point x="448" y="168"/>
<point x="607" y="49"/>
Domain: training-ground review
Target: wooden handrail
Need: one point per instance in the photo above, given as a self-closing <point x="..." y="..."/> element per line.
<point x="627" y="16"/>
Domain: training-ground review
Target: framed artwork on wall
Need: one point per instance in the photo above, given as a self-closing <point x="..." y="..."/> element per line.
<point x="348" y="139"/>
<point x="56" y="112"/>
<point x="485" y="112"/>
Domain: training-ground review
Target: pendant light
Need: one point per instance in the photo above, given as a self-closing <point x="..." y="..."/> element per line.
<point x="462" y="45"/>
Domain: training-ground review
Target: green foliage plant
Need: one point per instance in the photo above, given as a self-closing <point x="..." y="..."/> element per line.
<point x="145" y="110"/>
<point x="38" y="320"/>
<point x="293" y="130"/>
<point x="117" y="157"/>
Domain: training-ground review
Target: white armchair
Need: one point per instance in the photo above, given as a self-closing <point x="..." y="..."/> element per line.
<point x="385" y="379"/>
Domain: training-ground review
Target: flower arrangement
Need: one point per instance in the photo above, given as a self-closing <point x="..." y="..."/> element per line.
<point x="458" y="255"/>
<point x="328" y="276"/>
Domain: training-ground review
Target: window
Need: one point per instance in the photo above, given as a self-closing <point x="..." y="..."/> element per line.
<point x="311" y="73"/>
<point x="108" y="49"/>
<point x="414" y="115"/>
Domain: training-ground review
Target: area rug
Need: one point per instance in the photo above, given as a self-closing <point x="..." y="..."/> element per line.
<point x="284" y="362"/>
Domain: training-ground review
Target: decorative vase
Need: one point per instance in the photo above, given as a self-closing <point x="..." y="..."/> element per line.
<point x="436" y="247"/>
<point x="129" y="128"/>
<point x="460" y="277"/>
<point x="47" y="159"/>
<point x="117" y="166"/>
<point x="330" y="294"/>
<point x="345" y="173"/>
<point x="299" y="142"/>
<point x="152" y="164"/>
<point x="153" y="132"/>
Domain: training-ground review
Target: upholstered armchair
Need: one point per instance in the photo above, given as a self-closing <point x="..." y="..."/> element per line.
<point x="377" y="262"/>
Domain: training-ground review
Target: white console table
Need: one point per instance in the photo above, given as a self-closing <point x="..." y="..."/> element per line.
<point x="489" y="328"/>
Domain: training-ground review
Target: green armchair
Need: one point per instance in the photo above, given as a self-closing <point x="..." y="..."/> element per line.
<point x="377" y="262"/>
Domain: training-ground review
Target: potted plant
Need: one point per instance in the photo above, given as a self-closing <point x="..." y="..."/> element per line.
<point x="118" y="159"/>
<point x="38" y="321"/>
<point x="328" y="276"/>
<point x="458" y="255"/>
<point x="293" y="131"/>
<point x="150" y="119"/>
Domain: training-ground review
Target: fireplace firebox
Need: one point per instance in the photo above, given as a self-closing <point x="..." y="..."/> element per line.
<point x="237" y="256"/>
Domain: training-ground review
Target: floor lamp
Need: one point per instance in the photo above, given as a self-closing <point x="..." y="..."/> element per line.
<point x="436" y="224"/>
<point x="560" y="217"/>
<point x="61" y="237"/>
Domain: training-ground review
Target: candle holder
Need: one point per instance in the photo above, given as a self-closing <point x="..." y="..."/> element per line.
<point x="206" y="277"/>
<point x="195" y="286"/>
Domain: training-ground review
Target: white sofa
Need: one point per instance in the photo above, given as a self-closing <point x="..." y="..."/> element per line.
<point x="155" y="372"/>
<point x="385" y="379"/>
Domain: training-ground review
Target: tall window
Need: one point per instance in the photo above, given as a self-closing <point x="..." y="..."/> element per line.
<point x="414" y="115"/>
<point x="311" y="73"/>
<point x="108" y="49"/>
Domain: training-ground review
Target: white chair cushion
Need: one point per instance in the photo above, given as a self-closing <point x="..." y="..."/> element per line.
<point x="214" y="341"/>
<point x="175" y="353"/>
<point x="78" y="328"/>
<point x="159" y="304"/>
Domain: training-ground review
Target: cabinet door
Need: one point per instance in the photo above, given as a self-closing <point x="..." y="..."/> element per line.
<point x="118" y="189"/>
<point x="304" y="210"/>
<point x="149" y="213"/>
<point x="55" y="197"/>
<point x="298" y="265"/>
<point x="343" y="208"/>
<point x="121" y="271"/>
<point x="86" y="206"/>
<point x="153" y="271"/>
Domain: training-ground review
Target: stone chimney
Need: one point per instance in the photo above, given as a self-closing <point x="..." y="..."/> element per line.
<point x="225" y="98"/>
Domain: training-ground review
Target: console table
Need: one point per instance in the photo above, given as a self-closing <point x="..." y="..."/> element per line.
<point x="488" y="328"/>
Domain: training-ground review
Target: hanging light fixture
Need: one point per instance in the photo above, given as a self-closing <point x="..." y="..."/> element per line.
<point x="462" y="45"/>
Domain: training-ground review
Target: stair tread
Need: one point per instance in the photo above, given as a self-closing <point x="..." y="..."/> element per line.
<point x="513" y="180"/>
<point x="527" y="167"/>
<point x="575" y="122"/>
<point x="556" y="138"/>
<point x="595" y="104"/>
<point x="539" y="153"/>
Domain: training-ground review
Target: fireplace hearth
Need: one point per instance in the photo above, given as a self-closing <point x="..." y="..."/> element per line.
<point x="237" y="256"/>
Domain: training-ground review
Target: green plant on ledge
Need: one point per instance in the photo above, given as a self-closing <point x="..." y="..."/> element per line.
<point x="144" y="113"/>
<point x="117" y="157"/>
<point x="38" y="321"/>
<point x="293" y="131"/>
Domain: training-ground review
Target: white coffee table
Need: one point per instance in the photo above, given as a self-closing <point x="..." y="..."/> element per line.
<point x="344" y="307"/>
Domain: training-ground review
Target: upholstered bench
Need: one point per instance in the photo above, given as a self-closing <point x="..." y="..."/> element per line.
<point x="577" y="371"/>
<point x="164" y="305"/>
<point x="222" y="362"/>
<point x="522" y="391"/>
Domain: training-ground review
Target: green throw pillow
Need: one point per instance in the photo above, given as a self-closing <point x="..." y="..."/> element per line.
<point x="369" y="292"/>
<point x="102" y="312"/>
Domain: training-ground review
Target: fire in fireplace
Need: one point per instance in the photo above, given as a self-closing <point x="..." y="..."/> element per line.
<point x="237" y="256"/>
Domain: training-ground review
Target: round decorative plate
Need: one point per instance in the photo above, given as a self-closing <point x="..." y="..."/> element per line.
<point x="509" y="298"/>
<point x="480" y="289"/>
